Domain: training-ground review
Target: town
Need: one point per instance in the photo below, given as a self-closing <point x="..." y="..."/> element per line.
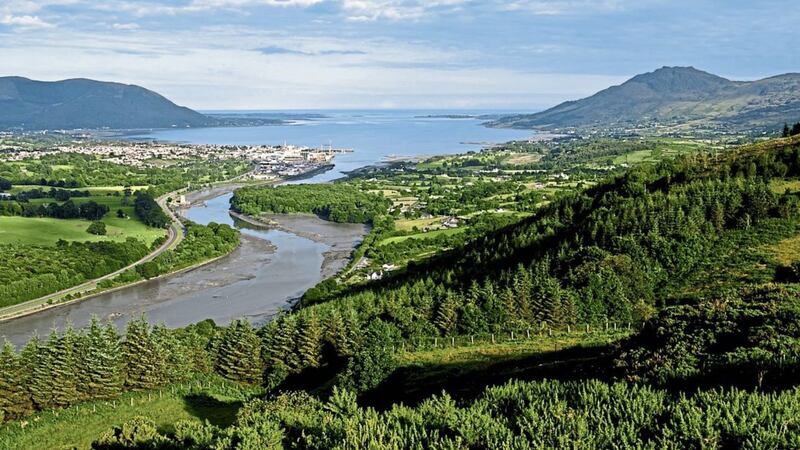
<point x="270" y="161"/>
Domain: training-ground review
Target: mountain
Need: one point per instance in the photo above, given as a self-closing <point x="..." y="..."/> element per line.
<point x="679" y="96"/>
<point x="81" y="103"/>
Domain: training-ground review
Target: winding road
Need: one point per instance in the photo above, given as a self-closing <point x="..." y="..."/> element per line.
<point x="175" y="235"/>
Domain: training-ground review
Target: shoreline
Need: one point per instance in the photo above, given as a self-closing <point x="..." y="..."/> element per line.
<point x="332" y="257"/>
<point x="46" y="307"/>
<point x="177" y="227"/>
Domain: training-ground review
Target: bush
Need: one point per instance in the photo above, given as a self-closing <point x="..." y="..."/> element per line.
<point x="98" y="228"/>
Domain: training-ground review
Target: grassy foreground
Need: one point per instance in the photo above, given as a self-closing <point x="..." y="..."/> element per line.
<point x="209" y="399"/>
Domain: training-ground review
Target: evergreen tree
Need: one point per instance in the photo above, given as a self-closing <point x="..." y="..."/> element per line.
<point x="239" y="353"/>
<point x="101" y="362"/>
<point x="447" y="313"/>
<point x="28" y="358"/>
<point x="785" y="130"/>
<point x="281" y="343"/>
<point x="41" y="381"/>
<point x="175" y="365"/>
<point x="14" y="401"/>
<point x="143" y="363"/>
<point x="310" y="343"/>
<point x="522" y="293"/>
<point x="65" y="369"/>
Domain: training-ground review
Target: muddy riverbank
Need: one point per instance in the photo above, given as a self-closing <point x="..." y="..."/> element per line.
<point x="263" y="276"/>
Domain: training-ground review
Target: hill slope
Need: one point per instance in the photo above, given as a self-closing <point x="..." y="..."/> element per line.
<point x="676" y="95"/>
<point x="82" y="103"/>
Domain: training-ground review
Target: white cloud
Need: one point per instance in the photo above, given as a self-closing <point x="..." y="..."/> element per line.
<point x="125" y="26"/>
<point x="147" y="8"/>
<point x="24" y="22"/>
<point x="395" y="10"/>
<point x="563" y="7"/>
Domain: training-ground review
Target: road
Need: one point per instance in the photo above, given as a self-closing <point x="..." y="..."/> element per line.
<point x="175" y="235"/>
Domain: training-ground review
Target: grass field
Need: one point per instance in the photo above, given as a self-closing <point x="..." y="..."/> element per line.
<point x="428" y="235"/>
<point x="409" y="224"/>
<point x="464" y="370"/>
<point x="78" y="426"/>
<point x="47" y="231"/>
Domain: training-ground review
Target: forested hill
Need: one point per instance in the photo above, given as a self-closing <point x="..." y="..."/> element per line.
<point x="679" y="95"/>
<point x="81" y="103"/>
<point x="619" y="250"/>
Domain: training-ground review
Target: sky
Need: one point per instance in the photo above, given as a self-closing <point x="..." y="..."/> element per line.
<point x="431" y="54"/>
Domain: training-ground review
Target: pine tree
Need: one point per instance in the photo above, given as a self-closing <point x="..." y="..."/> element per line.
<point x="175" y="364"/>
<point x="351" y="335"/>
<point x="785" y="130"/>
<point x="142" y="361"/>
<point x="41" y="381"/>
<point x="101" y="362"/>
<point x="65" y="370"/>
<point x="238" y="355"/>
<point x="509" y="301"/>
<point x="522" y="293"/>
<point x="334" y="329"/>
<point x="28" y="359"/>
<point x="14" y="400"/>
<point x="310" y="343"/>
<point x="281" y="344"/>
<point x="447" y="313"/>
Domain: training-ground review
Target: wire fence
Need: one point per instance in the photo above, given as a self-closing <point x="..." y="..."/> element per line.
<point x="610" y="330"/>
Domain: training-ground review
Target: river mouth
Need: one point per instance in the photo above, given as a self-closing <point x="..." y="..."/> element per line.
<point x="270" y="269"/>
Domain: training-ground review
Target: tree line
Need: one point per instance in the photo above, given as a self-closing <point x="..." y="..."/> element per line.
<point x="335" y="202"/>
<point x="90" y="210"/>
<point x="148" y="210"/>
<point x="793" y="131"/>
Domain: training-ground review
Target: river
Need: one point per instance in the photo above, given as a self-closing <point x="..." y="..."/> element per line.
<point x="260" y="278"/>
<point x="272" y="267"/>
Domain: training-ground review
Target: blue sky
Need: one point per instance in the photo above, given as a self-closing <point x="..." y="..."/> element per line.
<point x="471" y="54"/>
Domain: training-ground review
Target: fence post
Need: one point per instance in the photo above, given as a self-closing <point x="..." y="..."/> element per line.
<point x="587" y="328"/>
<point x="528" y="333"/>
<point x="512" y="335"/>
<point x="615" y="326"/>
<point x="549" y="331"/>
<point x="569" y="330"/>
<point x="453" y="341"/>
<point x="436" y="342"/>
<point x="472" y="340"/>
<point x="492" y="338"/>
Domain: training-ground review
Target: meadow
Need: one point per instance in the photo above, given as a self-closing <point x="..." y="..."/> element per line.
<point x="48" y="231"/>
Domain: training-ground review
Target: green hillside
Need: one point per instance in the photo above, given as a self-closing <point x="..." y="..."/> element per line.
<point x="655" y="309"/>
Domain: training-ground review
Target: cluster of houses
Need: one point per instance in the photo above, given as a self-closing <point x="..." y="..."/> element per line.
<point x="272" y="159"/>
